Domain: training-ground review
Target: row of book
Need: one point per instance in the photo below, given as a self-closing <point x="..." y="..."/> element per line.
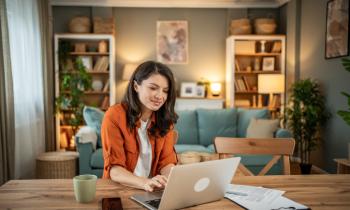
<point x="241" y="84"/>
<point x="101" y="64"/>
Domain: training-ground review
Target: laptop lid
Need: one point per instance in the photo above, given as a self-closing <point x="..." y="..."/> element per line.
<point x="194" y="184"/>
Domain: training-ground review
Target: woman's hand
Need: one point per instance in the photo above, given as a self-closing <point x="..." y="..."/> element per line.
<point x="157" y="182"/>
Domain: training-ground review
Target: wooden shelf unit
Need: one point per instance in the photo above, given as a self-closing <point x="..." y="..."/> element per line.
<point x="244" y="61"/>
<point x="90" y="97"/>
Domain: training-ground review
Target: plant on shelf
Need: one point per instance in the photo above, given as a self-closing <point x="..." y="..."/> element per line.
<point x="72" y="86"/>
<point x="342" y="113"/>
<point x="305" y="114"/>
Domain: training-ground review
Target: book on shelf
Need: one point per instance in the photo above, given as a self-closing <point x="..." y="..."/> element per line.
<point x="237" y="65"/>
<point x="106" y="86"/>
<point x="246" y="83"/>
<point x="101" y="64"/>
<point x="241" y="85"/>
<point x="105" y="103"/>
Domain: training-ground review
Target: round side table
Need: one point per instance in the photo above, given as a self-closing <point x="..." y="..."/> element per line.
<point x="56" y="165"/>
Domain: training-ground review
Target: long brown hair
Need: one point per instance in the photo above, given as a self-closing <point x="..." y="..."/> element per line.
<point x="165" y="116"/>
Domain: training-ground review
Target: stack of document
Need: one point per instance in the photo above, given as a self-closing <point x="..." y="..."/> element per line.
<point x="260" y="198"/>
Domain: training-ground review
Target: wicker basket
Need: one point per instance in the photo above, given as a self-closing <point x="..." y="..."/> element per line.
<point x="208" y="156"/>
<point x="240" y="26"/>
<point x="56" y="165"/>
<point x="189" y="157"/>
<point x="80" y="25"/>
<point x="265" y="26"/>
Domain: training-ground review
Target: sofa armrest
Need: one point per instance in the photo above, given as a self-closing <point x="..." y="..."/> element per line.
<point x="85" y="152"/>
<point x="283" y="133"/>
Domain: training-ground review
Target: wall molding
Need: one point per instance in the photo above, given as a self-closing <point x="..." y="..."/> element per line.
<point x="173" y="3"/>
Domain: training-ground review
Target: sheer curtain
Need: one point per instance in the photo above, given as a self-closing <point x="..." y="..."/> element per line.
<point x="27" y="73"/>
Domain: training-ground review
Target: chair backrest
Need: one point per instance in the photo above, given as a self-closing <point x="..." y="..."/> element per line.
<point x="282" y="147"/>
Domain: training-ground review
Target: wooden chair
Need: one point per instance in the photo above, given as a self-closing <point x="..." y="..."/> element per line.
<point x="277" y="147"/>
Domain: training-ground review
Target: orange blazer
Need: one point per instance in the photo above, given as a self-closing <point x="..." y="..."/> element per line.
<point x="121" y="146"/>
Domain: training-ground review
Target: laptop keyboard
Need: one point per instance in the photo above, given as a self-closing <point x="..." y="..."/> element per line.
<point x="155" y="203"/>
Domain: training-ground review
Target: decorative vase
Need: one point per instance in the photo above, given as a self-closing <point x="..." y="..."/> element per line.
<point x="97" y="85"/>
<point x="305" y="168"/>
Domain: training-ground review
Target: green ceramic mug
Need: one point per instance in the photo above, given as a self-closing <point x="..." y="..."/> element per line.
<point x="85" y="188"/>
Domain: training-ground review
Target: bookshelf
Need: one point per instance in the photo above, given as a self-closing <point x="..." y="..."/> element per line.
<point x="97" y="52"/>
<point x="247" y="58"/>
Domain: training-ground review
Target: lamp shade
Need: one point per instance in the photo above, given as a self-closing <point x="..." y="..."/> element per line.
<point x="271" y="83"/>
<point x="215" y="88"/>
<point x="128" y="70"/>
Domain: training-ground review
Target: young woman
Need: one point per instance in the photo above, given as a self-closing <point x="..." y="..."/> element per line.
<point x="137" y="135"/>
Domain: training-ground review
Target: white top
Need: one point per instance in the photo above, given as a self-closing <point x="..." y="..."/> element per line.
<point x="144" y="162"/>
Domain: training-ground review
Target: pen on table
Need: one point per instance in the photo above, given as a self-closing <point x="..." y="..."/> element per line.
<point x="237" y="193"/>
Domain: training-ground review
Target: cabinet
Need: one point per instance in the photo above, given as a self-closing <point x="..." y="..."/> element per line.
<point x="96" y="51"/>
<point x="196" y="103"/>
<point x="254" y="58"/>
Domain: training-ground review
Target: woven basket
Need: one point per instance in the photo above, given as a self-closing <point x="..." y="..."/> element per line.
<point x="189" y="157"/>
<point x="240" y="26"/>
<point x="56" y="165"/>
<point x="265" y="26"/>
<point x="80" y="25"/>
<point x="208" y="156"/>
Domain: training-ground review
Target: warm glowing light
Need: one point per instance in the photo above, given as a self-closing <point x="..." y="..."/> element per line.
<point x="215" y="88"/>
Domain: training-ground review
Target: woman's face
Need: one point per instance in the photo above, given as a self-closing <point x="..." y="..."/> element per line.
<point x="152" y="92"/>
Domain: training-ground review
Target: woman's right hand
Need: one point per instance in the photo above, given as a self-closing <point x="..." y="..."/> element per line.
<point x="156" y="182"/>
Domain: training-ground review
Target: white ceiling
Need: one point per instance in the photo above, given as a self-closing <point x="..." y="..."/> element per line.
<point x="173" y="3"/>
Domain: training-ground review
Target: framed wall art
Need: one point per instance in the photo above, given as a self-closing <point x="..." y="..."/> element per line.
<point x="268" y="64"/>
<point x="337" y="29"/>
<point x="172" y="42"/>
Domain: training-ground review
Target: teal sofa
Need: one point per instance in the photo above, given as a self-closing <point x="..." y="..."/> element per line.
<point x="197" y="130"/>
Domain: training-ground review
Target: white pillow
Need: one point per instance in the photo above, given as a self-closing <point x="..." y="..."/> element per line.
<point x="262" y="128"/>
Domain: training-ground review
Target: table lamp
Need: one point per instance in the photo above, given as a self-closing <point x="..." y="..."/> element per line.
<point x="270" y="84"/>
<point x="215" y="88"/>
<point x="128" y="70"/>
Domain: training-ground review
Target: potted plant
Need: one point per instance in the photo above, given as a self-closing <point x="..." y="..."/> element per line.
<point x="305" y="115"/>
<point x="343" y="113"/>
<point x="72" y="87"/>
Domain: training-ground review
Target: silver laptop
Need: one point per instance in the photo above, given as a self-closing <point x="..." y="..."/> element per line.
<point x="192" y="184"/>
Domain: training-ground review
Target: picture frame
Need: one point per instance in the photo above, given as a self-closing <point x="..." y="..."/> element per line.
<point x="172" y="42"/>
<point x="200" y="91"/>
<point x="337" y="29"/>
<point x="188" y="89"/>
<point x="268" y="63"/>
<point x="87" y="62"/>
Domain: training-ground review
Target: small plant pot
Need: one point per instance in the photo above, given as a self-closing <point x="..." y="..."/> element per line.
<point x="305" y="168"/>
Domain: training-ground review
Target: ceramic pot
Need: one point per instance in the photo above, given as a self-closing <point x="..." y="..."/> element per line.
<point x="97" y="85"/>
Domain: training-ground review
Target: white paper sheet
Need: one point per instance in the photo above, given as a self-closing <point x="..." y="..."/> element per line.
<point x="260" y="198"/>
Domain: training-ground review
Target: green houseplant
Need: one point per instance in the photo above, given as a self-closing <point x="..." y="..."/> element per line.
<point x="72" y="87"/>
<point x="342" y="113"/>
<point x="304" y="115"/>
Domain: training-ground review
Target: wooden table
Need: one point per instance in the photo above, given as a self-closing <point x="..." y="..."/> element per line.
<point x="343" y="166"/>
<point x="315" y="191"/>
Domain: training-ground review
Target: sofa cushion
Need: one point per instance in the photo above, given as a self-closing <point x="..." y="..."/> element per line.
<point x="213" y="123"/>
<point x="180" y="148"/>
<point x="187" y="127"/>
<point x="97" y="159"/>
<point x="262" y="128"/>
<point x="93" y="118"/>
<point x="244" y="117"/>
